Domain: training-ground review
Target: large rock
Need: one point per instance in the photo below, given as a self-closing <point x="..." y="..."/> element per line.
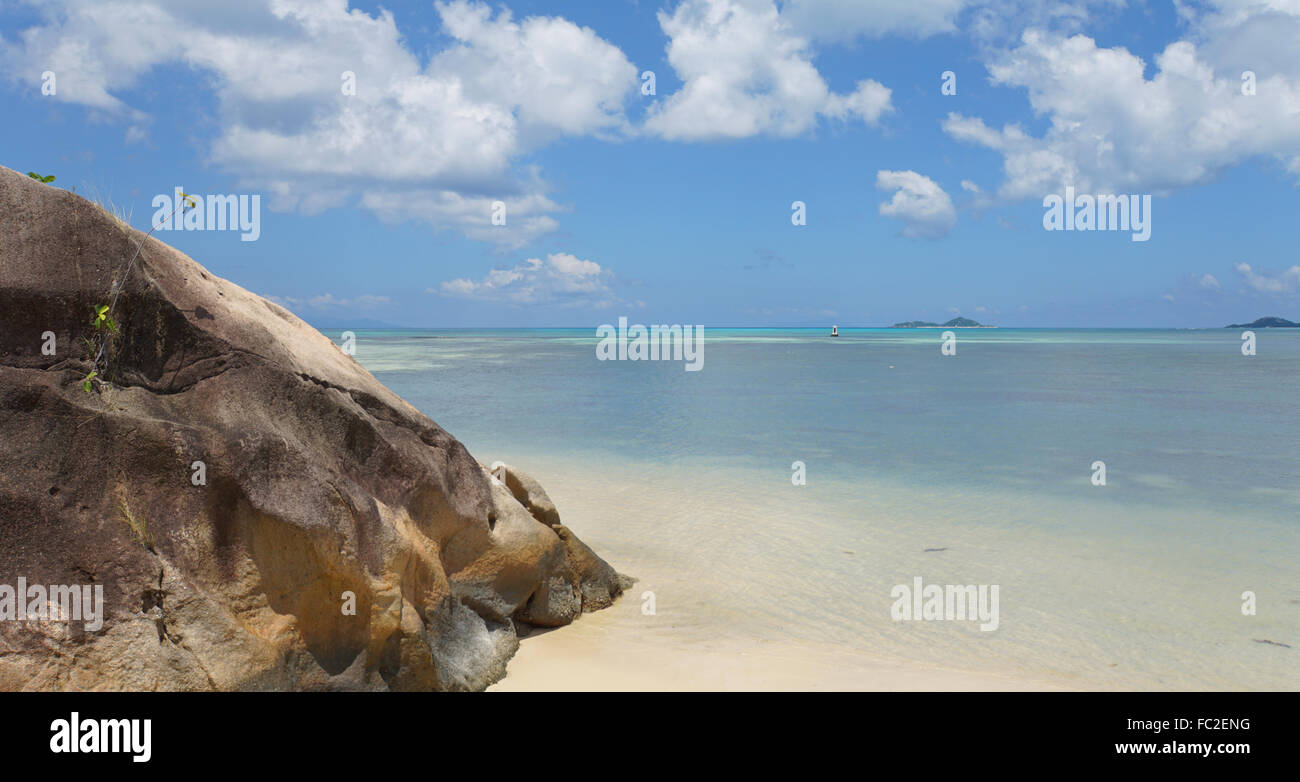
<point x="584" y="583"/>
<point x="320" y="483"/>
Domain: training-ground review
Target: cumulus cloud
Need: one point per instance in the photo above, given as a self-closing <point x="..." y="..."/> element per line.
<point x="562" y="279"/>
<point x="562" y="79"/>
<point x="444" y="132"/>
<point x="1286" y="281"/>
<point x="746" y="72"/>
<point x="1111" y="129"/>
<point x="438" y="136"/>
<point x="526" y="217"/>
<point x="1210" y="283"/>
<point x="919" y="201"/>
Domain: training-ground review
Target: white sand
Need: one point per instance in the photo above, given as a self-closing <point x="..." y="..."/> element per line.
<point x="759" y="585"/>
<point x="601" y="652"/>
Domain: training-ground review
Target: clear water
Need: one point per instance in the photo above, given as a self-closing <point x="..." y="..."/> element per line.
<point x="683" y="479"/>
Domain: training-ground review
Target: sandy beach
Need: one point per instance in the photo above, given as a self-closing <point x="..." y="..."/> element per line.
<point x="755" y="585"/>
<point x="599" y="653"/>
<point x="687" y="625"/>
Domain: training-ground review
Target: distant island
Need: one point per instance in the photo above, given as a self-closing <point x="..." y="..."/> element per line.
<point x="955" y="323"/>
<point x="1266" y="323"/>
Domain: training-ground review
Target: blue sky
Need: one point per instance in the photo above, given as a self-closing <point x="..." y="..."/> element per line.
<point x="676" y="207"/>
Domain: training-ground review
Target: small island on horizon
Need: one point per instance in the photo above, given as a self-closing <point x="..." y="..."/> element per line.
<point x="955" y="323"/>
<point x="1269" y="322"/>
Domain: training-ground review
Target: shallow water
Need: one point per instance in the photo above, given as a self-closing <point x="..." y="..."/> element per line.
<point x="684" y="480"/>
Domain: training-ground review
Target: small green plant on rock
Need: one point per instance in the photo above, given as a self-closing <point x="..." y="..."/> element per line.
<point x="103" y="320"/>
<point x="39" y="178"/>
<point x="105" y="328"/>
<point x="102" y="316"/>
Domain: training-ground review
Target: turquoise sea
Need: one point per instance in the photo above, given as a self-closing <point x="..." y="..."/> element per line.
<point x="683" y="479"/>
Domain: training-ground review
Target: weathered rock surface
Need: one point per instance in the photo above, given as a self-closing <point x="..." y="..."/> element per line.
<point x="584" y="583"/>
<point x="319" y="482"/>
<point x="528" y="491"/>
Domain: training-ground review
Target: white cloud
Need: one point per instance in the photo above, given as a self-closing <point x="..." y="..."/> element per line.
<point x="746" y="72"/>
<point x="998" y="21"/>
<point x="1286" y="281"/>
<point x="842" y="20"/>
<point x="1210" y="282"/>
<point x="452" y="128"/>
<point x="1110" y="129"/>
<point x="526" y="217"/>
<point x="562" y="279"/>
<point x="1256" y="35"/>
<point x="919" y="202"/>
<point x="560" y="78"/>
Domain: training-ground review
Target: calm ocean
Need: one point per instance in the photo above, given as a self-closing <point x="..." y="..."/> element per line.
<point x="683" y="479"/>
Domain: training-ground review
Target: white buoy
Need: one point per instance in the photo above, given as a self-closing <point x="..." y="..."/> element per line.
<point x="835" y="331"/>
